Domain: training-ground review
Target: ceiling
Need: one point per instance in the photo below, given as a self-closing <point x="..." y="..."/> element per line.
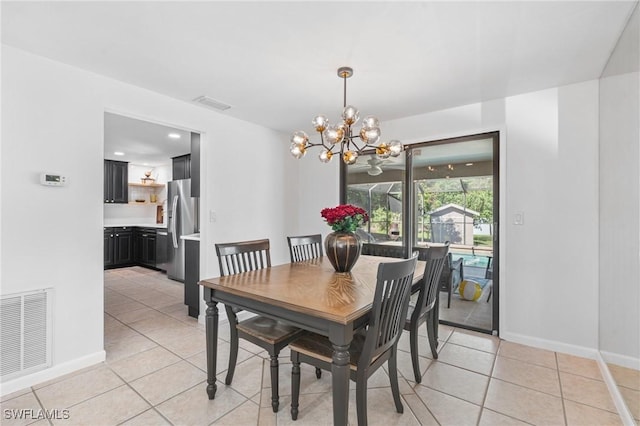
<point x="275" y="63"/>
<point x="142" y="142"/>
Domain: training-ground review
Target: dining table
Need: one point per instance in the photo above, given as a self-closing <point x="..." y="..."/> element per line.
<point x="310" y="295"/>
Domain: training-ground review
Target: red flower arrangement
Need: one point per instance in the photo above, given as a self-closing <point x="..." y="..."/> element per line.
<point x="345" y="217"/>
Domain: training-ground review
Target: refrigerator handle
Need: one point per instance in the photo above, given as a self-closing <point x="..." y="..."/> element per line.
<point x="174" y="206"/>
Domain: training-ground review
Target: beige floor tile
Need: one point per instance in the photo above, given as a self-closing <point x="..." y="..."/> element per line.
<point x="627" y="377"/>
<point x="158" y="301"/>
<point x="528" y="354"/>
<point x="192" y="407"/>
<point x="456" y="381"/>
<point x="583" y="415"/>
<point x="381" y="409"/>
<point x="68" y="376"/>
<point x="143" y="363"/>
<point x="579" y="366"/>
<point x="78" y="388"/>
<point x="247" y="379"/>
<point x="314" y="409"/>
<point x="632" y="400"/>
<point x="491" y="418"/>
<point x="524" y="404"/>
<point x="266" y="417"/>
<point x="148" y="418"/>
<point x="129" y="317"/>
<point x="444" y="332"/>
<point x="164" y="335"/>
<point x="123" y="307"/>
<point x="467" y="358"/>
<point x="20" y="410"/>
<point x="447" y="409"/>
<point x="126" y="347"/>
<point x="15" y="394"/>
<point x="471" y="339"/>
<point x="528" y="375"/>
<point x="586" y="391"/>
<point x="222" y="361"/>
<point x="168" y="382"/>
<point x="423" y="345"/>
<point x="158" y="321"/>
<point x="110" y="408"/>
<point x="405" y="367"/>
<point x="245" y="414"/>
<point x="118" y="333"/>
<point x="419" y="410"/>
<point x="188" y="344"/>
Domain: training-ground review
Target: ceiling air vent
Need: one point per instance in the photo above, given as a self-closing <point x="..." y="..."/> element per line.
<point x="211" y="103"/>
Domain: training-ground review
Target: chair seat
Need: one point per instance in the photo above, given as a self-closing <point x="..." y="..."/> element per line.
<point x="268" y="330"/>
<point x="318" y="346"/>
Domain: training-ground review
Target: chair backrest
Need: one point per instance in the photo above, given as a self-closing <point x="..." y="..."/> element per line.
<point x="243" y="256"/>
<point x="390" y="303"/>
<point x="305" y="247"/>
<point x="435" y="258"/>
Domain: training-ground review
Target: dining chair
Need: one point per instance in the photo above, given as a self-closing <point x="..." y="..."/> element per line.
<point x="424" y="309"/>
<point x="305" y="247"/>
<point x="452" y="276"/>
<point x="269" y="334"/>
<point x="372" y="347"/>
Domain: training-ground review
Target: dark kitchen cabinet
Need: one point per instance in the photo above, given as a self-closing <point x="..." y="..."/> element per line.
<point x="116" y="182"/>
<point x="145" y="245"/>
<point x="181" y="167"/>
<point x="191" y="277"/>
<point x="118" y="246"/>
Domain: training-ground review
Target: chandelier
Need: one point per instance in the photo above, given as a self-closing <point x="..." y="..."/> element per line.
<point x="339" y="138"/>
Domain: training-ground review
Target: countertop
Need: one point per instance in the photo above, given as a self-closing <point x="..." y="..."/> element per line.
<point x="141" y="225"/>
<point x="192" y="237"/>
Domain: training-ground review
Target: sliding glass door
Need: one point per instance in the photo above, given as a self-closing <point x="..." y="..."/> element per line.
<point x="440" y="191"/>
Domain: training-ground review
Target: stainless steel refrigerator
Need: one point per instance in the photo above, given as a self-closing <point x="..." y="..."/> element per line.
<point x="182" y="219"/>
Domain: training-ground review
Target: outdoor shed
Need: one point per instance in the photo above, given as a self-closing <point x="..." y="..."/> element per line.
<point x="452" y="223"/>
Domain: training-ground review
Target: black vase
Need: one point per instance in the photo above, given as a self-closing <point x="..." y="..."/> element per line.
<point x="343" y="250"/>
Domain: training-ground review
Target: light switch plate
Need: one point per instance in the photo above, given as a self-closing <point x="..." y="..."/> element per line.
<point x="518" y="218"/>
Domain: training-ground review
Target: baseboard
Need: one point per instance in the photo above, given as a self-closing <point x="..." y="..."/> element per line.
<point x="618" y="400"/>
<point x="550" y="345"/>
<point x="20" y="383"/>
<point x="621" y="360"/>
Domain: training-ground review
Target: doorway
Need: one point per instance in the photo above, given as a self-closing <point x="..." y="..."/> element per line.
<point x="439" y="191"/>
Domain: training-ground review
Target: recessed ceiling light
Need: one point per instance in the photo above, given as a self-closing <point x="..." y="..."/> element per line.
<point x="174" y="136"/>
<point x="469" y="164"/>
<point x="118" y="153"/>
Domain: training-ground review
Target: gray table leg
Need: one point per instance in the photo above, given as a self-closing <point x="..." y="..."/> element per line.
<point x="340" y="339"/>
<point x="211" y="326"/>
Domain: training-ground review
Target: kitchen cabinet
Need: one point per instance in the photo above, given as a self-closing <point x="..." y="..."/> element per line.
<point x="181" y="167"/>
<point x="116" y="177"/>
<point x="118" y="246"/>
<point x="191" y="277"/>
<point x="145" y="245"/>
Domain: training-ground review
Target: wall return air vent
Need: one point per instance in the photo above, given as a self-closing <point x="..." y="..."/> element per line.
<point x="211" y="103"/>
<point x="25" y="333"/>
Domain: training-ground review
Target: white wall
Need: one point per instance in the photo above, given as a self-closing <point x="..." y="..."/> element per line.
<point x="549" y="159"/>
<point x="620" y="201"/>
<point x="52" y="120"/>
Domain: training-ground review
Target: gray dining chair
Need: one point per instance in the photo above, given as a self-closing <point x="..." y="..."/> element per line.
<point x="269" y="334"/>
<point x="305" y="247"/>
<point x="424" y="310"/>
<point x="370" y="349"/>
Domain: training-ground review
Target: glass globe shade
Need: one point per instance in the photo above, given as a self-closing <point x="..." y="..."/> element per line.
<point x="395" y="147"/>
<point x="370" y="136"/>
<point x="320" y="123"/>
<point x="300" y="138"/>
<point x="350" y="114"/>
<point x="383" y="151"/>
<point x="298" y="150"/>
<point x="334" y="134"/>
<point x="370" y="122"/>
<point x="350" y="157"/>
<point x="325" y="156"/>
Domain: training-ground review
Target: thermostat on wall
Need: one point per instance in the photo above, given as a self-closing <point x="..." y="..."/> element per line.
<point x="51" y="179"/>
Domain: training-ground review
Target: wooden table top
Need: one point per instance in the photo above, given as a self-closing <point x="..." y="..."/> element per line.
<point x="312" y="287"/>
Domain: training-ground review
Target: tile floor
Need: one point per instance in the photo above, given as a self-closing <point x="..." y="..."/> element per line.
<point x="155" y="375"/>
